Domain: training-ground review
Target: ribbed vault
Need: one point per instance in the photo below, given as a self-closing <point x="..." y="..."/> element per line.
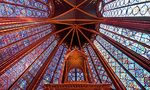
<point x="77" y="16"/>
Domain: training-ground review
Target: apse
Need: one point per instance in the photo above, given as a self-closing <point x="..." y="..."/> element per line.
<point x="74" y="44"/>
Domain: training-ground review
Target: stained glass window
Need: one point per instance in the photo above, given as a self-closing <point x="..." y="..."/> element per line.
<point x="96" y="66"/>
<point x="100" y="6"/>
<point x="23" y="8"/>
<point x="95" y="78"/>
<point x="53" y="72"/>
<point x="107" y="1"/>
<point x="59" y="70"/>
<point x="33" y="69"/>
<point x="127" y="8"/>
<point x="125" y="68"/>
<point x="16" y="35"/>
<point x="12" y="74"/>
<point x="75" y="75"/>
<point x="128" y="38"/>
<point x="131" y="74"/>
<point x="15" y="41"/>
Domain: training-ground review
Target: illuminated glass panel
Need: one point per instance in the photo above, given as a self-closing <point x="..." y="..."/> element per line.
<point x="101" y="71"/>
<point x="47" y="77"/>
<point x="16" y="35"/>
<point x="124" y="67"/>
<point x="112" y="32"/>
<point x="132" y="34"/>
<point x="59" y="71"/>
<point x="33" y="69"/>
<point x="29" y="3"/>
<point x="127" y="8"/>
<point x="107" y="1"/>
<point x="71" y="75"/>
<point x="100" y="6"/>
<point x="23" y="8"/>
<point x="13" y="73"/>
<point x="20" y="39"/>
<point x="99" y="67"/>
<point x="94" y="75"/>
<point x="75" y="75"/>
<point x="80" y="75"/>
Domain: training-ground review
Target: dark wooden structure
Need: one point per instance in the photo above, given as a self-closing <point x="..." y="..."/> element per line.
<point x="76" y="59"/>
<point x="78" y="86"/>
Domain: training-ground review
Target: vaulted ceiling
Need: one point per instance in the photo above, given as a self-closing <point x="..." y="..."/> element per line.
<point x="76" y="19"/>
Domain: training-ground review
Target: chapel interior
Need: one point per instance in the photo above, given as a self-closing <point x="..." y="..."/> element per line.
<point x="74" y="44"/>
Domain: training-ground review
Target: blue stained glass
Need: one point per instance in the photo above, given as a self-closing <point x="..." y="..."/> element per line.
<point x="137" y="71"/>
<point x="23" y="84"/>
<point x="20" y="2"/>
<point x="27" y="2"/>
<point x="29" y="12"/>
<point x="22" y="8"/>
<point x="2" y="10"/>
<point x="131" y="66"/>
<point x="17" y="11"/>
<point x="136" y="47"/>
<point x="38" y="13"/>
<point x="13" y="49"/>
<point x="123" y="8"/>
<point x="71" y="75"/>
<point x="9" y="9"/>
<point x="98" y="65"/>
<point x="52" y="67"/>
